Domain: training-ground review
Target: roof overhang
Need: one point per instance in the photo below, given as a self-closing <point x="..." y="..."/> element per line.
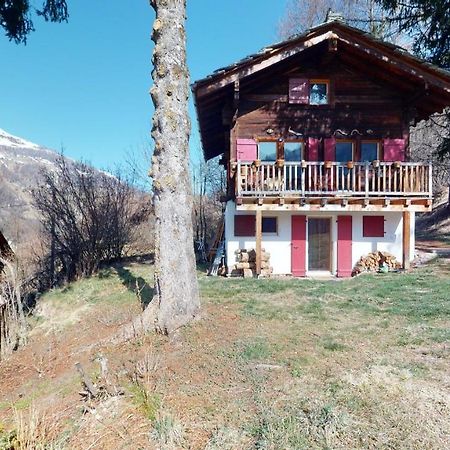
<point x="416" y="75"/>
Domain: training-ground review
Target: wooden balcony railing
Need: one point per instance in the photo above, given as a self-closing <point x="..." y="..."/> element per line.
<point x="333" y="179"/>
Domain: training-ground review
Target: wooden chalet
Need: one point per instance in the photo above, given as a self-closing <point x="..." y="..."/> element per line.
<point x="314" y="135"/>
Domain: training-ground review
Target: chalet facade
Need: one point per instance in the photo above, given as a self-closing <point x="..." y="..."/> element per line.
<point x="314" y="135"/>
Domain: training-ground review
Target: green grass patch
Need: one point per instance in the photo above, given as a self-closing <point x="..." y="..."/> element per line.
<point x="148" y="403"/>
<point x="257" y="350"/>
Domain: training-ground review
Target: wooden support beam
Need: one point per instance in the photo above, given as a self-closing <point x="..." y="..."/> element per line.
<point x="366" y="203"/>
<point x="281" y="201"/>
<point x="406" y="239"/>
<point x="258" y="240"/>
<point x="323" y="202"/>
<point x="344" y="202"/>
<point x="260" y="201"/>
<point x="386" y="202"/>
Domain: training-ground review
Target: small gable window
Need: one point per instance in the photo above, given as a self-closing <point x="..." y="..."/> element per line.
<point x="318" y="92"/>
<point x="269" y="225"/>
<point x="373" y="226"/>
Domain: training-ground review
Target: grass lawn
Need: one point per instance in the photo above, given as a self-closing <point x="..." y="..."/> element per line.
<point x="272" y="364"/>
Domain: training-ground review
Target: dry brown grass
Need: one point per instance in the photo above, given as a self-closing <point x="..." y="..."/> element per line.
<point x="279" y="364"/>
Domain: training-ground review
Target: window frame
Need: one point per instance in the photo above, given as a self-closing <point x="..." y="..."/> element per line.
<point x="345" y="141"/>
<point x="319" y="81"/>
<point x="370" y="141"/>
<point x="269" y="233"/>
<point x="268" y="140"/>
<point x="294" y="141"/>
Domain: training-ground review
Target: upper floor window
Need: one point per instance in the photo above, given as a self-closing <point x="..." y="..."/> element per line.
<point x="344" y="151"/>
<point x="267" y="151"/>
<point x="369" y="151"/>
<point x="318" y="92"/>
<point x="293" y="151"/>
<point x="309" y="91"/>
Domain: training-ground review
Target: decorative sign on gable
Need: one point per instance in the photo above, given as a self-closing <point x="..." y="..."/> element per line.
<point x="299" y="91"/>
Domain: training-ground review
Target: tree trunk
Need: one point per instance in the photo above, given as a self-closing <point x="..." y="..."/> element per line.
<point x="176" y="299"/>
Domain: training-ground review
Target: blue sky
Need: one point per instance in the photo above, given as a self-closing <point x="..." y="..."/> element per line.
<point x="84" y="85"/>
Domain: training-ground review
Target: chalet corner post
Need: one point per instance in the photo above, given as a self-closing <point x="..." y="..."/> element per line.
<point x="176" y="299"/>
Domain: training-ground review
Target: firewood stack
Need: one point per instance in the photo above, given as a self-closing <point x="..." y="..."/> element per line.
<point x="246" y="264"/>
<point x="373" y="261"/>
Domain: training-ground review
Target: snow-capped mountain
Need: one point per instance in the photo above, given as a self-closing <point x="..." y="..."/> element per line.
<point x="21" y="164"/>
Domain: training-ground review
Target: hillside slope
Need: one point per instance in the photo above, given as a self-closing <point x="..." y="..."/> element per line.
<point x="272" y="364"/>
<point x="21" y="163"/>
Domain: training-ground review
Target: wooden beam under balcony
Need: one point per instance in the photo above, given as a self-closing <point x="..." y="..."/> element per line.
<point x="332" y="204"/>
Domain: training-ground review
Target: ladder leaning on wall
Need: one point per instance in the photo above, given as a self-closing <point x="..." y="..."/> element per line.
<point x="217" y="252"/>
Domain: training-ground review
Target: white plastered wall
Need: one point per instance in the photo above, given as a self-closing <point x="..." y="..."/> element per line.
<point x="279" y="244"/>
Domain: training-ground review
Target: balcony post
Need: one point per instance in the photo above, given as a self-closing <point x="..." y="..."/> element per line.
<point x="258" y="240"/>
<point x="406" y="239"/>
<point x="366" y="181"/>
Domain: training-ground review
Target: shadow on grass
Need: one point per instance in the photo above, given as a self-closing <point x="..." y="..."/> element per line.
<point x="137" y="285"/>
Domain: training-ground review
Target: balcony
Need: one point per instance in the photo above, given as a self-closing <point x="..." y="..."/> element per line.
<point x="401" y="183"/>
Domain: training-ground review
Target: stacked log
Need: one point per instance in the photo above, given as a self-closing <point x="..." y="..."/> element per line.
<point x="246" y="264"/>
<point x="374" y="261"/>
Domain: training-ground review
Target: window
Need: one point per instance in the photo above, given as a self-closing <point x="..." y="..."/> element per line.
<point x="318" y="92"/>
<point x="267" y="151"/>
<point x="245" y="225"/>
<point x="293" y="151"/>
<point x="312" y="92"/>
<point x="373" y="226"/>
<point x="269" y="225"/>
<point x="369" y="151"/>
<point x="344" y="151"/>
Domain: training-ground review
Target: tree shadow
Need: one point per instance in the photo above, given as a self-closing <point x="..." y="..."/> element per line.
<point x="137" y="285"/>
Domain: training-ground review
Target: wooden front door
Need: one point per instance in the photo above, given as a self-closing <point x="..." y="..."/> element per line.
<point x="298" y="251"/>
<point x="319" y="244"/>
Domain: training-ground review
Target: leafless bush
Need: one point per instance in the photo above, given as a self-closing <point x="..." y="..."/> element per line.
<point x="12" y="318"/>
<point x="88" y="218"/>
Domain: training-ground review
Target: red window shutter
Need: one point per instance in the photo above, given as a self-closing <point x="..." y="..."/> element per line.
<point x="344" y="246"/>
<point x="298" y="254"/>
<point x="313" y="149"/>
<point x="299" y="91"/>
<point x="245" y="225"/>
<point x="247" y="149"/>
<point x="329" y="149"/>
<point x="373" y="226"/>
<point x="394" y="149"/>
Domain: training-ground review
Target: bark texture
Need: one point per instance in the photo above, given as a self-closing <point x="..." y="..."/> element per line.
<point x="176" y="299"/>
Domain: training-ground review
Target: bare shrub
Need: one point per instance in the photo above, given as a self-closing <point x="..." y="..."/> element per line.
<point x="88" y="218"/>
<point x="12" y="318"/>
<point x="33" y="431"/>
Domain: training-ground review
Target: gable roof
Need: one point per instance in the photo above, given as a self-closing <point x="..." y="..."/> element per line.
<point x="412" y="71"/>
